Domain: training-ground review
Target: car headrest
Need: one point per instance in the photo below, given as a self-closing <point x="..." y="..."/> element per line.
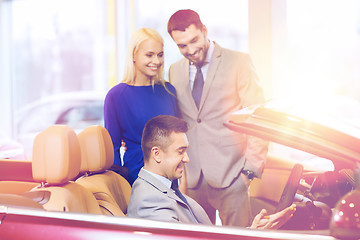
<point x="56" y="155"/>
<point x="97" y="152"/>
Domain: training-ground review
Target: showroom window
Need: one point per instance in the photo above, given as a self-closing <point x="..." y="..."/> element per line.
<point x="57" y="49"/>
<point x="318" y="63"/>
<point x="59" y="59"/>
<point x="324" y="47"/>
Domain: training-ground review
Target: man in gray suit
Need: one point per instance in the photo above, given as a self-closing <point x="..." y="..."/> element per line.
<point x="164" y="144"/>
<point x="211" y="83"/>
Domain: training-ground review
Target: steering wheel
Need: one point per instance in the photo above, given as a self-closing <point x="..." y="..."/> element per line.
<point x="288" y="195"/>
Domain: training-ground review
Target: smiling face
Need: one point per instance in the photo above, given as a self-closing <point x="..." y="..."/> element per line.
<point x="148" y="60"/>
<point x="174" y="157"/>
<point x="192" y="43"/>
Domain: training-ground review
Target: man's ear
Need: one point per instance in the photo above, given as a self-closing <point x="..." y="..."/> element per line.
<point x="204" y="30"/>
<point x="155" y="154"/>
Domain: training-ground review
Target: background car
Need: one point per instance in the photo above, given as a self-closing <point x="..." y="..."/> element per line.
<point x="75" y="109"/>
<point x="10" y="149"/>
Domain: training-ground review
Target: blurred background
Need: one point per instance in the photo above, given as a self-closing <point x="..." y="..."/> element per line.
<point x="58" y="58"/>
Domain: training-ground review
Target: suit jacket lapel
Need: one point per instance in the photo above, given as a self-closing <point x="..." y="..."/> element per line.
<point x="159" y="185"/>
<point x="214" y="64"/>
<point x="164" y="189"/>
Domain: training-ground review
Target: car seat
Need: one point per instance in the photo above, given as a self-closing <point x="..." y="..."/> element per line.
<point x="111" y="190"/>
<point x="19" y="201"/>
<point x="56" y="162"/>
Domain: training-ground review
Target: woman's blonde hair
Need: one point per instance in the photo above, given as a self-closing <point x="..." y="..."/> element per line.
<point x="137" y="38"/>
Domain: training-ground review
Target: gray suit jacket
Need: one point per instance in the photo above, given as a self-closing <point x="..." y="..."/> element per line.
<point x="151" y="199"/>
<point x="220" y="153"/>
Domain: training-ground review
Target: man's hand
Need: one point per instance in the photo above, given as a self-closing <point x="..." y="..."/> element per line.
<point x="273" y="221"/>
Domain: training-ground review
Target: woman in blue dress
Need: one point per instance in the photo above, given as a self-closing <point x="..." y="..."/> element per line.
<point x="142" y="95"/>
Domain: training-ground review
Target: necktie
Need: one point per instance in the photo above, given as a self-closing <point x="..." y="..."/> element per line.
<point x="198" y="86"/>
<point x="174" y="186"/>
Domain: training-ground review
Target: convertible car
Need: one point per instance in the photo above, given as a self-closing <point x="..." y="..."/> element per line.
<point x="323" y="185"/>
<point x="68" y="190"/>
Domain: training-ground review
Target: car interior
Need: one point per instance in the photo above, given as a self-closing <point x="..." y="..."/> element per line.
<point x="110" y="189"/>
<point x="71" y="173"/>
<point x="59" y="179"/>
<point x="314" y="192"/>
<point x="56" y="163"/>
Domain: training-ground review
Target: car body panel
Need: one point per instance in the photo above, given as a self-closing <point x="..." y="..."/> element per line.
<point x="272" y="124"/>
<point x="33" y="224"/>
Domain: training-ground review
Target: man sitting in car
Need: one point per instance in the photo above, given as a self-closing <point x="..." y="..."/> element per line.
<point x="155" y="194"/>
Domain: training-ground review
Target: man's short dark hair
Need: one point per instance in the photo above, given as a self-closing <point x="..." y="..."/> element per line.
<point x="157" y="132"/>
<point x="182" y="19"/>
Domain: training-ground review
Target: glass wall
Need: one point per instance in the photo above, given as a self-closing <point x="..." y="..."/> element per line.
<point x="320" y="60"/>
<point x="58" y="49"/>
<point x="58" y="60"/>
<point x="324" y="47"/>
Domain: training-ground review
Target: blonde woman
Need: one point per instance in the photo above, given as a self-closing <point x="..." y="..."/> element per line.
<point x="142" y="95"/>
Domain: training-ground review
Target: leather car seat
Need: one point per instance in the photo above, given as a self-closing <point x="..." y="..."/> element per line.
<point x="111" y="190"/>
<point x="15" y="200"/>
<point x="56" y="162"/>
